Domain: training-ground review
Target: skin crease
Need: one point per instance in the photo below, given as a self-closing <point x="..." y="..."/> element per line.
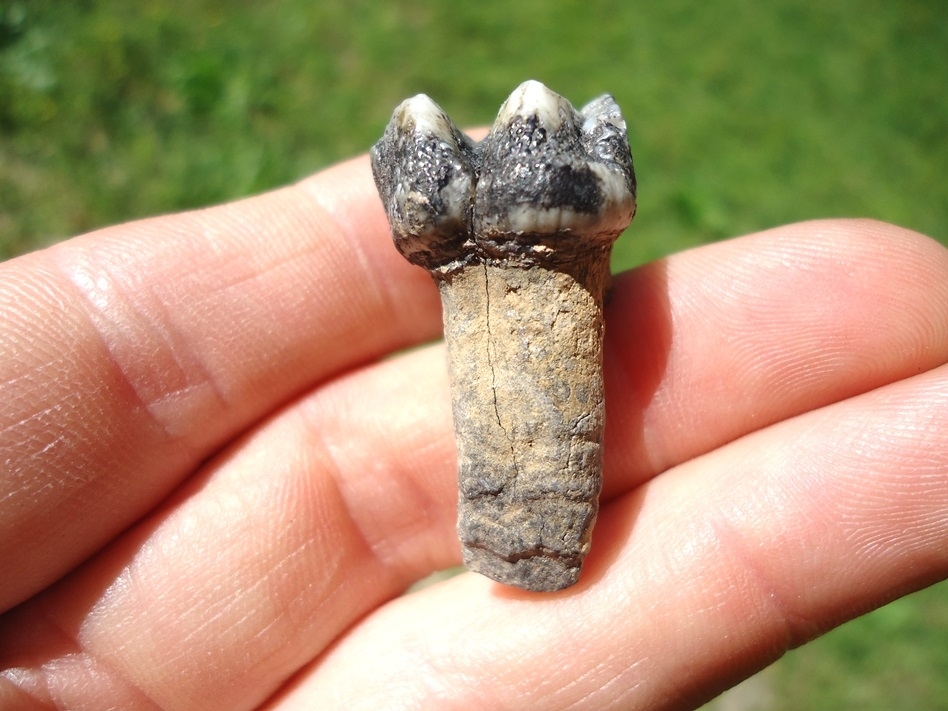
<point x="222" y="467"/>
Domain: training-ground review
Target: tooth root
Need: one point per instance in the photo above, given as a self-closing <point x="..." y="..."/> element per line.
<point x="528" y="411"/>
<point x="522" y="285"/>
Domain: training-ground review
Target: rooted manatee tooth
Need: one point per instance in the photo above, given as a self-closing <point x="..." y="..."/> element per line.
<point x="517" y="232"/>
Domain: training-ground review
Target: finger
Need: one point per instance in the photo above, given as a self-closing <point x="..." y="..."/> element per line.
<point x="256" y="558"/>
<point x="129" y="355"/>
<point x="377" y="475"/>
<point x="696" y="580"/>
<point x="737" y="335"/>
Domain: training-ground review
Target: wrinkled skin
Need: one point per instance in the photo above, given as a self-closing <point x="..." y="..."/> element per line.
<point x="216" y="484"/>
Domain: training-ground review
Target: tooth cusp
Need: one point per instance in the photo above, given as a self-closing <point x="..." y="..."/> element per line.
<point x="549" y="170"/>
<point x="426" y="172"/>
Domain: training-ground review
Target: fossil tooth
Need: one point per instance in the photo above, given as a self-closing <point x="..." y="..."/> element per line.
<point x="517" y="232"/>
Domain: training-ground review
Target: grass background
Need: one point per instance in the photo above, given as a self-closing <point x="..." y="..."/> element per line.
<point x="743" y="115"/>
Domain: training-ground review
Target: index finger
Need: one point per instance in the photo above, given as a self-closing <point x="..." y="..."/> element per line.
<point x="127" y="356"/>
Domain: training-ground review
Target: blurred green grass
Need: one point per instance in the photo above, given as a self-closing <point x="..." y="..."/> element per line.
<point x="743" y="115"/>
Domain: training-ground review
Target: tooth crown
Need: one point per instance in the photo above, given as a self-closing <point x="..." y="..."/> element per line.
<point x="547" y="184"/>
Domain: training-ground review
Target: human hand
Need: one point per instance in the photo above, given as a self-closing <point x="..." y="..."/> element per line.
<point x="216" y="484"/>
